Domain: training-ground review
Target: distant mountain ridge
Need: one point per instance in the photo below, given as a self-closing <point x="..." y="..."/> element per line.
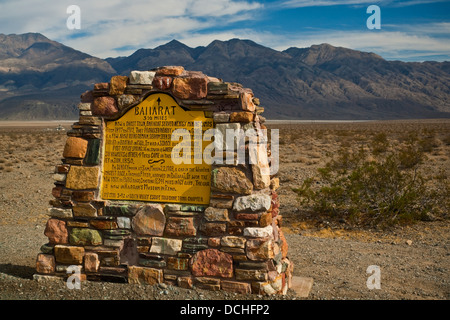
<point x="319" y="82"/>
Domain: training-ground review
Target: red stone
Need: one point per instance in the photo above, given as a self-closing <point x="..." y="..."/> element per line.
<point x="246" y="216"/>
<point x="57" y="192"/>
<point x="212" y="262"/>
<point x="45" y="263"/>
<point x="101" y="86"/>
<point x="284" y="244"/>
<point x="190" y="88"/>
<point x="162" y="83"/>
<point x="180" y="227"/>
<point x="236" y="286"/>
<point x="169" y="71"/>
<point x="104" y="106"/>
<point x="56" y="231"/>
<point x="243" y="116"/>
<point x="87" y="97"/>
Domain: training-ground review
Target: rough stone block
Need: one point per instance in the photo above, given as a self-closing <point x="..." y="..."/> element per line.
<point x="190" y="88"/>
<point x="69" y="254"/>
<point x="259" y="232"/>
<point x="85" y="237"/>
<point x="180" y="227"/>
<point x="45" y="263"/>
<point x="91" y="262"/>
<point x="215" y="214"/>
<point x="149" y="220"/>
<point x="232" y="180"/>
<point x="259" y="249"/>
<point x="166" y="246"/>
<point x="56" y="231"/>
<point x="236" y="286"/>
<point x="104" y="106"/>
<point x="117" y="85"/>
<point x="75" y="148"/>
<point x="254" y="202"/>
<point x="212" y="262"/>
<point x="141" y="77"/>
<point x="80" y="178"/>
<point x="144" y="275"/>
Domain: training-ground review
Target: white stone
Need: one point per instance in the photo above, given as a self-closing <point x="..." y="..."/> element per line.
<point x="60" y="177"/>
<point x="113" y="243"/>
<point x="84" y="106"/>
<point x="233" y="132"/>
<point x="60" y="213"/>
<point x="165" y="245"/>
<point x="123" y="222"/>
<point x="253" y="202"/>
<point x="141" y="77"/>
<point x="258" y="232"/>
<point x="221" y="117"/>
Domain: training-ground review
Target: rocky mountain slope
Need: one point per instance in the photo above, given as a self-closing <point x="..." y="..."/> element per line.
<point x="38" y="75"/>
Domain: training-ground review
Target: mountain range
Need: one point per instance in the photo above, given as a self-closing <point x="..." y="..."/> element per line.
<point x="41" y="79"/>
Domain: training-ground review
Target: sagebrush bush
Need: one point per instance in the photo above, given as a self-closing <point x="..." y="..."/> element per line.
<point x="383" y="191"/>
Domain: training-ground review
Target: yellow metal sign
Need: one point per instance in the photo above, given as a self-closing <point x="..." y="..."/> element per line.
<point x="138" y="157"/>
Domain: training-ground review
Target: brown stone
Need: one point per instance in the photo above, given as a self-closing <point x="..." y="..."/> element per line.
<point x="77" y="224"/>
<point x="190" y="88"/>
<point x="69" y="254"/>
<point x="180" y="227"/>
<point x="284" y="244"/>
<point x="212" y="262"/>
<point x="149" y="220"/>
<point x="221" y="203"/>
<point x="101" y="86"/>
<point x="244" y="274"/>
<point x="246" y="216"/>
<point x="45" y="263"/>
<point x="213" y="242"/>
<point x="56" y="231"/>
<point x="84" y="210"/>
<point x="265" y="219"/>
<point x="176" y="263"/>
<point x="91" y="262"/>
<point x="213" y="228"/>
<point x="104" y="224"/>
<point x="75" y="148"/>
<point x="246" y="100"/>
<point x="233" y="242"/>
<point x="232" y="180"/>
<point x="207" y="283"/>
<point x="185" y="282"/>
<point x="80" y="178"/>
<point x="162" y="83"/>
<point x="275" y="183"/>
<point x="144" y="275"/>
<point x="62" y="168"/>
<point x="118" y="85"/>
<point x="169" y="71"/>
<point x="259" y="249"/>
<point x="57" y="191"/>
<point x="236" y="286"/>
<point x="104" y="106"/>
<point x="215" y="214"/>
<point x="83" y="196"/>
<point x="243" y="116"/>
<point x="87" y="97"/>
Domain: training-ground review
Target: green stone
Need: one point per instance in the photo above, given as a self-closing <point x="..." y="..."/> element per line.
<point x="152" y="263"/>
<point x="93" y="152"/>
<point x="121" y="210"/>
<point x="47" y="248"/>
<point x="85" y="237"/>
<point x="185" y="207"/>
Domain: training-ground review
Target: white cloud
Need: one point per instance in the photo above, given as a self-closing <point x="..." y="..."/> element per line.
<point x="321" y="3"/>
<point x="109" y="24"/>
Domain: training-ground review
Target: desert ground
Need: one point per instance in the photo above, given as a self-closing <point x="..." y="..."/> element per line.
<point x="413" y="257"/>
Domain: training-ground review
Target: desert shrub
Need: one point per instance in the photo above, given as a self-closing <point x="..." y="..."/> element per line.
<point x="380" y="143"/>
<point x="366" y="191"/>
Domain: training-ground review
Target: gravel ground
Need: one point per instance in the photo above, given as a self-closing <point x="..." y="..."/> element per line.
<point x="414" y="261"/>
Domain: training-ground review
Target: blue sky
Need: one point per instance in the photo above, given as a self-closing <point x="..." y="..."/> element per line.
<point x="411" y="30"/>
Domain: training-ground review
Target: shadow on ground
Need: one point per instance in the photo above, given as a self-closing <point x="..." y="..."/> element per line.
<point x="25" y="272"/>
